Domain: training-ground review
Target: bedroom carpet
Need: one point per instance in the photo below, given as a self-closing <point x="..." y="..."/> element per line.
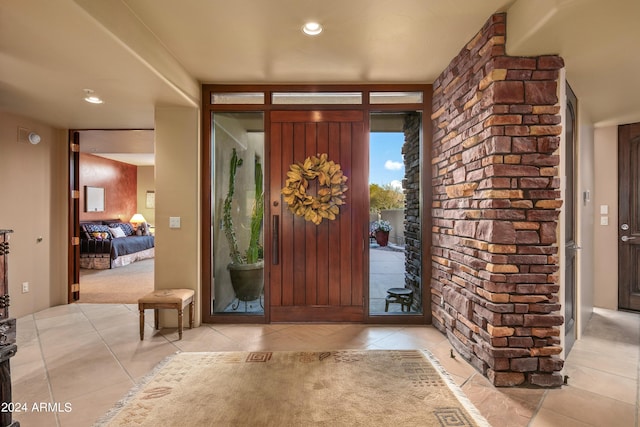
<point x="330" y="388"/>
<point x="122" y="285"/>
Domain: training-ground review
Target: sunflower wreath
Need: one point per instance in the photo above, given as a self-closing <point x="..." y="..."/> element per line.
<point x="331" y="188"/>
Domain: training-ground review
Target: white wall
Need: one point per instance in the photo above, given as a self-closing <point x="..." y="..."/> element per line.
<point x="585" y="206"/>
<point x="606" y="236"/>
<point x="33" y="203"/>
<point x="177" y="255"/>
<point x="396" y="218"/>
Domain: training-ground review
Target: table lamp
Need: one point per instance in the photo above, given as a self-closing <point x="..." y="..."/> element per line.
<point x="136" y="220"/>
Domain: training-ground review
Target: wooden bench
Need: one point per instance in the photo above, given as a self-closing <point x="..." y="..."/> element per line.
<point x="176" y="299"/>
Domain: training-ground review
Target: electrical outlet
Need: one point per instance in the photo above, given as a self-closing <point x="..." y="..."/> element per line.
<point x="25" y="287"/>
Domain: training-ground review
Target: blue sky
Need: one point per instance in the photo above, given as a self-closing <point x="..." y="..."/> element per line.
<point x="386" y="165"/>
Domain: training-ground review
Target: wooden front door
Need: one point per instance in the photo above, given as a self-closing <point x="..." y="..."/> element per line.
<point x="629" y="217"/>
<point x="316" y="272"/>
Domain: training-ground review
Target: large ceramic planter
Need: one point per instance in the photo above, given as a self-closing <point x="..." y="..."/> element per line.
<point x="382" y="237"/>
<point x="247" y="280"/>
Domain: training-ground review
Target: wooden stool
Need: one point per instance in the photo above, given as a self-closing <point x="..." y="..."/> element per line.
<point x="166" y="298"/>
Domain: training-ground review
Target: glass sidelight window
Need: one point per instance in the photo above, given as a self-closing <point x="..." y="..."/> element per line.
<point x="395" y="286"/>
<point x="237" y="208"/>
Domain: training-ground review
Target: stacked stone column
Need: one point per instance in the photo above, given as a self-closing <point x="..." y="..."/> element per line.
<point x="411" y="185"/>
<point x="496" y="202"/>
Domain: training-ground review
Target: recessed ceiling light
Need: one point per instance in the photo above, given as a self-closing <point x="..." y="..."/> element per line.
<point x="312" y="28"/>
<point x="93" y="100"/>
<point x="91" y="97"/>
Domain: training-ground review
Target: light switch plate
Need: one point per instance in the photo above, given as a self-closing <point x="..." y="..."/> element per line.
<point x="604" y="220"/>
<point x="174" y="222"/>
<point x="604" y="209"/>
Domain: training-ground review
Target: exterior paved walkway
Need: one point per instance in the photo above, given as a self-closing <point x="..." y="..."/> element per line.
<point x="386" y="270"/>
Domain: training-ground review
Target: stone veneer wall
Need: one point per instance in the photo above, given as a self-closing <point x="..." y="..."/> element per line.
<point x="411" y="185"/>
<point x="496" y="203"/>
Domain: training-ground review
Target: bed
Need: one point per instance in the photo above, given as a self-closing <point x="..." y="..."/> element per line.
<point x="102" y="246"/>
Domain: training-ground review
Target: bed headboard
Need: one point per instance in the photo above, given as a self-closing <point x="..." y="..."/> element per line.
<point x="101" y="221"/>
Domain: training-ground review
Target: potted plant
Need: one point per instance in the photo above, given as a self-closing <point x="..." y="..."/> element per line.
<point x="246" y="269"/>
<point x="380" y="230"/>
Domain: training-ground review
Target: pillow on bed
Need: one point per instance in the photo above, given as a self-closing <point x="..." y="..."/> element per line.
<point x="94" y="228"/>
<point x="124" y="226"/>
<point x="117" y="232"/>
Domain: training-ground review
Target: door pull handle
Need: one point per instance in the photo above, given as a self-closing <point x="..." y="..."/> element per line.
<point x="627" y="238"/>
<point x="275" y="240"/>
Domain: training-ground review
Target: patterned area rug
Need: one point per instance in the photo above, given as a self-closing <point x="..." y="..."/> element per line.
<point x="333" y="388"/>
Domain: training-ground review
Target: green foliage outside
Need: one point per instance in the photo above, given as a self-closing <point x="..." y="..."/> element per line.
<point x="385" y="197"/>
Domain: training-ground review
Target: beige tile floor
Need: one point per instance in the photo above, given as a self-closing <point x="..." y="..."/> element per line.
<point x="88" y="356"/>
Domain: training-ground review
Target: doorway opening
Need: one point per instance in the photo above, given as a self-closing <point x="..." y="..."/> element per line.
<point x="286" y="183"/>
<point x="113" y="213"/>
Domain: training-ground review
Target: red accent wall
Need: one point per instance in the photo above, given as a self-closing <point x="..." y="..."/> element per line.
<point x="120" y="183"/>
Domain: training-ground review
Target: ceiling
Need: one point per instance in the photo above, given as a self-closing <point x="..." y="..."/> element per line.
<point x="135" y="147"/>
<point x="138" y="54"/>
